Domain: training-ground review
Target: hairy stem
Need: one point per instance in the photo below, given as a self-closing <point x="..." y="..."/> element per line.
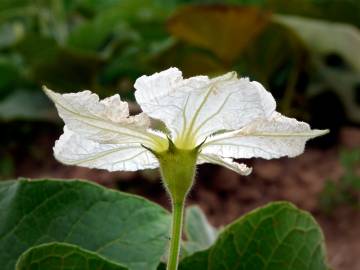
<point x="176" y="229"/>
<point x="177" y="168"/>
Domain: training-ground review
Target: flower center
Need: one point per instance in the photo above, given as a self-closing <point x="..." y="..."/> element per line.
<point x="187" y="142"/>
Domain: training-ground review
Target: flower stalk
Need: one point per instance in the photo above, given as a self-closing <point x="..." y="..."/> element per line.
<point x="177" y="168"/>
<point x="175" y="238"/>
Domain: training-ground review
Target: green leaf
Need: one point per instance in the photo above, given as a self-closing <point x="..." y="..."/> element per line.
<point x="94" y="35"/>
<point x="28" y="105"/>
<point x="9" y="76"/>
<point x="7" y="166"/>
<point x="324" y="37"/>
<point x="198" y="261"/>
<point x="199" y="232"/>
<point x="341" y="81"/>
<point x="57" y="66"/>
<point x="10" y="33"/>
<point x="61" y="256"/>
<point x="235" y="28"/>
<point x="278" y="237"/>
<point x="161" y="266"/>
<point x="123" y="228"/>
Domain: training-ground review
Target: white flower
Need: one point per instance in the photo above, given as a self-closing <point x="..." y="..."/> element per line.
<point x="232" y="118"/>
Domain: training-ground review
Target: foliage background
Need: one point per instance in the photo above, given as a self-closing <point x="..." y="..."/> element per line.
<point x="306" y="52"/>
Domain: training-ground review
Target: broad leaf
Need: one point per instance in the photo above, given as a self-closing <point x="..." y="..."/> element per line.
<point x="323" y="37"/>
<point x="123" y="228"/>
<point x="94" y="35"/>
<point x="161" y="266"/>
<point x="278" y="237"/>
<point x="61" y="256"/>
<point x="198" y="261"/>
<point x="235" y="28"/>
<point x="200" y="233"/>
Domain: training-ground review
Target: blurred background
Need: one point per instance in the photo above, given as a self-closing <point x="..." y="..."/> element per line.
<point x="306" y="52"/>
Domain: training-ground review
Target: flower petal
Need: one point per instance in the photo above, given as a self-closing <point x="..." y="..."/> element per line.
<point x="104" y="121"/>
<point x="275" y="137"/>
<point x="72" y="149"/>
<point x="200" y="106"/>
<point x="229" y="163"/>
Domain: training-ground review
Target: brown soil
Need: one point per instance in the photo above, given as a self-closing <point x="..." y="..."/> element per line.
<point x="224" y="195"/>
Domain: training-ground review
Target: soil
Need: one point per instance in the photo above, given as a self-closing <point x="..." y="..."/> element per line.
<point x="225" y="196"/>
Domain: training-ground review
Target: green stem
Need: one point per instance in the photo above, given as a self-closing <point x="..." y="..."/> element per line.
<point x="176" y="228"/>
<point x="177" y="168"/>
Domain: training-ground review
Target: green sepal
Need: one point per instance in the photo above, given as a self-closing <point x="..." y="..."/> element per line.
<point x="177" y="168"/>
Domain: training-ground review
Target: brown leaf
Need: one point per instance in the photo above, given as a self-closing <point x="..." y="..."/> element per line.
<point x="224" y="30"/>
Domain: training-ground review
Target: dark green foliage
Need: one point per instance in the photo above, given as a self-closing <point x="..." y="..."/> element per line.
<point x="53" y="224"/>
<point x="105" y="45"/>
<point x="277" y="237"/>
<point x="200" y="234"/>
<point x="123" y="228"/>
<point x="61" y="256"/>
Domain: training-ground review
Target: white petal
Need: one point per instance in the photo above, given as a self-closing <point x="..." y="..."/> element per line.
<point x="275" y="137"/>
<point x="72" y="149"/>
<point x="105" y="121"/>
<point x="201" y="106"/>
<point x="229" y="163"/>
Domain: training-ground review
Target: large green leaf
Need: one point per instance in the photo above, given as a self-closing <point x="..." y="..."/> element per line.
<point x="61" y="256"/>
<point x="324" y="37"/>
<point x="200" y="234"/>
<point x="278" y="237"/>
<point x="123" y="228"/>
<point x="198" y="261"/>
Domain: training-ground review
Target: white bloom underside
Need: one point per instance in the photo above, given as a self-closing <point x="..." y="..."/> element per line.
<point x="235" y="117"/>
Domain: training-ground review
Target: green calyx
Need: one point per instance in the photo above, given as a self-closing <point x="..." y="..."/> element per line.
<point x="177" y="168"/>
